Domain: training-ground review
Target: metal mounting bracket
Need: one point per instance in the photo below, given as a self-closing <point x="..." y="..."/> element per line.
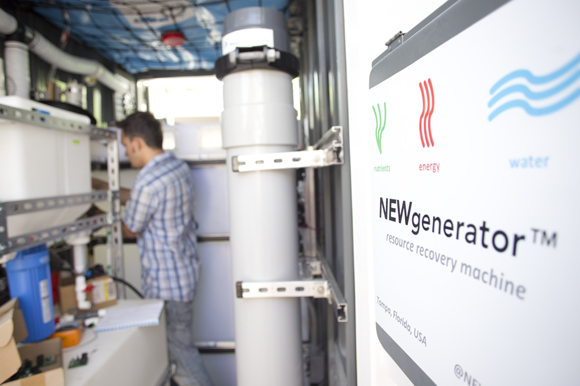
<point x="9" y="113"/>
<point x="317" y="288"/>
<point x="326" y="152"/>
<point x="39" y="204"/>
<point x="326" y="288"/>
<point x="18" y="243"/>
<point x="12" y="208"/>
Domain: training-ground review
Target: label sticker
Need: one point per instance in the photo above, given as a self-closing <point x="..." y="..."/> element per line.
<point x="104" y="290"/>
<point x="45" y="301"/>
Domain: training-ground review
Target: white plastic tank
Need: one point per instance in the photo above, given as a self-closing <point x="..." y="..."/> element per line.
<point x="38" y="162"/>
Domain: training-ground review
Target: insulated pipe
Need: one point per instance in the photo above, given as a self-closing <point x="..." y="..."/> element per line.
<point x="17" y="69"/>
<point x="73" y="64"/>
<point x="259" y="117"/>
<point x="63" y="60"/>
<point x="8" y="23"/>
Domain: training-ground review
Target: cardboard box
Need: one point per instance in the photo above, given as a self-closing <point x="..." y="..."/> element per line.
<point x="53" y="374"/>
<point x="12" y="331"/>
<point x="103" y="293"/>
<point x="49" y="378"/>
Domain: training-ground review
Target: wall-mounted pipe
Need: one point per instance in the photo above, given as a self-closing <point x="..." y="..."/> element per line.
<point x="17" y="69"/>
<point x="8" y="23"/>
<point x="73" y="64"/>
<point x="63" y="60"/>
<point x="81" y="264"/>
<point x="259" y="117"/>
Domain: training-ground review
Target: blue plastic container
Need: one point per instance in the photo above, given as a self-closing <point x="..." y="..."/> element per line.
<point x="29" y="281"/>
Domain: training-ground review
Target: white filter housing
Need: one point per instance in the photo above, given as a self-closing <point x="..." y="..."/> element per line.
<point x="259" y="117"/>
<point x="38" y="162"/>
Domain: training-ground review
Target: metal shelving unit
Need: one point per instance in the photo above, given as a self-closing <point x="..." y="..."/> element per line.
<point x="112" y="220"/>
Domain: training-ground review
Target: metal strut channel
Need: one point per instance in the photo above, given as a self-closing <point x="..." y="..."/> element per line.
<point x="327" y="288"/>
<point x="18" y="243"/>
<point x="39" y="204"/>
<point x="317" y="288"/>
<point x="336" y="296"/>
<point x="40" y="119"/>
<point x="11" y="208"/>
<point x="326" y="152"/>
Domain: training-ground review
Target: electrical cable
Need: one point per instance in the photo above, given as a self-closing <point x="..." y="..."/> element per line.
<point x="98" y="270"/>
<point x="137" y="292"/>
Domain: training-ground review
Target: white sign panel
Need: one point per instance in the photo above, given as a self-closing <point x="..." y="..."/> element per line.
<point x="476" y="189"/>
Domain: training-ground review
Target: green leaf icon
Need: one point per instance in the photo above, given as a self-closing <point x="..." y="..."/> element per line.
<point x="379" y="129"/>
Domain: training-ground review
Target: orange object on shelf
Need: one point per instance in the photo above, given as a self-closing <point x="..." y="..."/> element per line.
<point x="70" y="335"/>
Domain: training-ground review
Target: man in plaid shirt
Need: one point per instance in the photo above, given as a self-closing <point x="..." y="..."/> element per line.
<point x="159" y="212"/>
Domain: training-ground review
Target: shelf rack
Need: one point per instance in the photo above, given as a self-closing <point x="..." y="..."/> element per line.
<point x="112" y="220"/>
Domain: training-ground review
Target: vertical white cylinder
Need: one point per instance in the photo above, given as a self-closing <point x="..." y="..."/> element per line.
<point x="17" y="69"/>
<point x="81" y="264"/>
<point x="74" y="93"/>
<point x="259" y="117"/>
<point x="81" y="258"/>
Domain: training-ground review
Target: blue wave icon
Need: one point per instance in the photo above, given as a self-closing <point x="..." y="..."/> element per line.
<point x="563" y="91"/>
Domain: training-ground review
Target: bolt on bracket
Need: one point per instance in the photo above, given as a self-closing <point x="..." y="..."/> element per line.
<point x="326" y="152"/>
<point x="283" y="289"/>
<point x="326" y="288"/>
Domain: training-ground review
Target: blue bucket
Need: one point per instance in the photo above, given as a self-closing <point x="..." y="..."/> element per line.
<point x="29" y="281"/>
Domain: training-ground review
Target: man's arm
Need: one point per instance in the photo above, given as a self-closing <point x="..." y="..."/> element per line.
<point x="102" y="185"/>
<point x="128" y="233"/>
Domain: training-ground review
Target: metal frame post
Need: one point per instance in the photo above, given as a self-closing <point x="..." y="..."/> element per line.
<point x="115" y="260"/>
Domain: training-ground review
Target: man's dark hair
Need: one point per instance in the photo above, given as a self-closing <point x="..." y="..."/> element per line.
<point x="145" y="126"/>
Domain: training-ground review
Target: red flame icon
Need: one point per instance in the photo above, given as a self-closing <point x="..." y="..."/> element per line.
<point x="425" y="120"/>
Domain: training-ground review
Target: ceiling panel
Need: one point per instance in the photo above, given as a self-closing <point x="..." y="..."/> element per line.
<point x="129" y="32"/>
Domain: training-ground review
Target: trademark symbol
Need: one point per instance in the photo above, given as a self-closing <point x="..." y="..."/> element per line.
<point x="543" y="237"/>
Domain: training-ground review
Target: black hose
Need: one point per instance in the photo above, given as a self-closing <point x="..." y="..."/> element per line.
<point x="137" y="292"/>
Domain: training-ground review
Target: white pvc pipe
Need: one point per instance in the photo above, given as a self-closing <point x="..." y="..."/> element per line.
<point x="63" y="60"/>
<point x="110" y="80"/>
<point x="259" y="117"/>
<point x="73" y="64"/>
<point x="17" y="69"/>
<point x="74" y="93"/>
<point x="81" y="295"/>
<point x="81" y="264"/>
<point x="8" y="23"/>
<point x="81" y="259"/>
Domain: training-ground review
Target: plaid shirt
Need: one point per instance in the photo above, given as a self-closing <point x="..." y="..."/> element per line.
<point x="161" y="211"/>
